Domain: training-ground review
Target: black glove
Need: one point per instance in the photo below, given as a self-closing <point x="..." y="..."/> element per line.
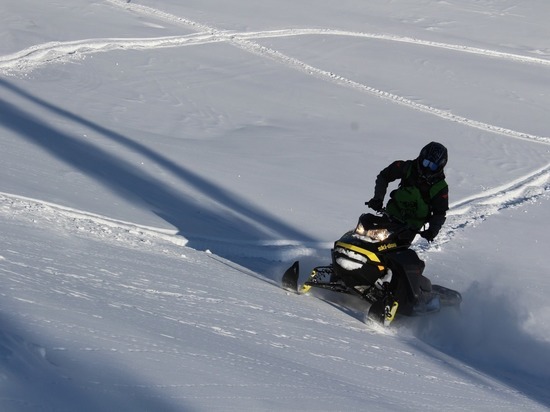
<point x="376" y="204"/>
<point x="428" y="235"/>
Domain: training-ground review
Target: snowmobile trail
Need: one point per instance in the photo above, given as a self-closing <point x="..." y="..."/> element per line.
<point x="462" y="213"/>
<point x="136" y="235"/>
<point x="41" y="54"/>
<point x="38" y="55"/>
<point x="79" y="221"/>
<point x="474" y="209"/>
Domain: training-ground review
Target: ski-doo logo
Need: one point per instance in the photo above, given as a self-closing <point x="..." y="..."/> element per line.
<point x="388" y="246"/>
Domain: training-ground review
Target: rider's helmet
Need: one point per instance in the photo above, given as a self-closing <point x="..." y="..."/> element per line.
<point x="431" y="161"/>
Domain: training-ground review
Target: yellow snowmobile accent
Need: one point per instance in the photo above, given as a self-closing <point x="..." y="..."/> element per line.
<point x="390" y="314"/>
<point x="372" y="256"/>
<point x="305" y="288"/>
<point x="360" y="250"/>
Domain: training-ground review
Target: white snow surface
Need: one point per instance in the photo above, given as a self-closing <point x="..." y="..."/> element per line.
<point x="163" y="162"/>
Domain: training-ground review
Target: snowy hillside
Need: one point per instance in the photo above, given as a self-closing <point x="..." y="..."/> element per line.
<point x="162" y="164"/>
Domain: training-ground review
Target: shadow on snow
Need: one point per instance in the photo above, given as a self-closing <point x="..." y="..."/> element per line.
<point x="32" y="380"/>
<point x="20" y="358"/>
<point x="193" y="220"/>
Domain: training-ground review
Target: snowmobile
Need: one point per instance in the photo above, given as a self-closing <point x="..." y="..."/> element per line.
<point x="375" y="263"/>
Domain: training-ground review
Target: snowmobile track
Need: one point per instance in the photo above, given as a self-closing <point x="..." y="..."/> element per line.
<point x="38" y="55"/>
<point x="463" y="213"/>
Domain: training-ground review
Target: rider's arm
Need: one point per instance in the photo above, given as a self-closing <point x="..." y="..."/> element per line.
<point x="394" y="171"/>
<point x="439" y="207"/>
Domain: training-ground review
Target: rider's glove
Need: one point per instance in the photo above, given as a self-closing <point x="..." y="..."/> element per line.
<point x="428" y="235"/>
<point x="376" y="204"/>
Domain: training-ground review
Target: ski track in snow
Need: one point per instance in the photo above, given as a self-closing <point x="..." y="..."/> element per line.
<point x="38" y="55"/>
<point x="462" y="214"/>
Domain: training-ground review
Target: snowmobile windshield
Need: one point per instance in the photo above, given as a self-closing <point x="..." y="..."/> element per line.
<point x="371" y="235"/>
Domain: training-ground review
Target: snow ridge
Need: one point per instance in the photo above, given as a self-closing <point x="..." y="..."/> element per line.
<point x="80" y="221"/>
<point x="35" y="56"/>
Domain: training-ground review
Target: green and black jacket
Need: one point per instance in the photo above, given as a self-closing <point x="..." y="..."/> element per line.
<point x="415" y="201"/>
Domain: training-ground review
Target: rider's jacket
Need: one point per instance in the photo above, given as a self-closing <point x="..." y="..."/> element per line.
<point x="416" y="201"/>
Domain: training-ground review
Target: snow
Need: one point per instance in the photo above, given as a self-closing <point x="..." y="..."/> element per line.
<point x="164" y="163"/>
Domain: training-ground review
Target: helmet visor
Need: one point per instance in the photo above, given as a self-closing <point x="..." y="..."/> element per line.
<point x="429" y="165"/>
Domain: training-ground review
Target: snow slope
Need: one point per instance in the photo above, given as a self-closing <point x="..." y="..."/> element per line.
<point x="162" y="164"/>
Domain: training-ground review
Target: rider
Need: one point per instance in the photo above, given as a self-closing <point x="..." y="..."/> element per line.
<point x="422" y="196"/>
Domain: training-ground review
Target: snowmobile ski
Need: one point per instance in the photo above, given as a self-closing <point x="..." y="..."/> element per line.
<point x="381" y="310"/>
<point x="290" y="278"/>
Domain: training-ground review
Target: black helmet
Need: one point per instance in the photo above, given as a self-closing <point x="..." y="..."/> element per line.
<point x="431" y="160"/>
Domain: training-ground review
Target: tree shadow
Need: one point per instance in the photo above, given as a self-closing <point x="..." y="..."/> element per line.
<point x="197" y="223"/>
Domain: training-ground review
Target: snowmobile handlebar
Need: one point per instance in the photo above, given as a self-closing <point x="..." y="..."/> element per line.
<point x="381" y="211"/>
<point x="406" y="228"/>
